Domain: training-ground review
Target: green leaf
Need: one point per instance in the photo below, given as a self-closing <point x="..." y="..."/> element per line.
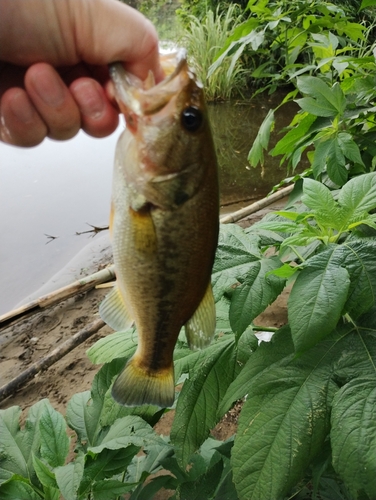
<point x="284" y="423"/>
<point x="316" y="303"/>
<point x="358" y="257"/>
<point x="235" y="253"/>
<point x="280" y="349"/>
<point x="353" y="435"/>
<point x="110" y="489"/>
<point x="336" y="163"/>
<point x="290" y="141"/>
<point x="68" y="477"/>
<point x="261" y="142"/>
<point x="44" y="473"/>
<point x="330" y="100"/>
<point x="205" y="486"/>
<point x="150" y="489"/>
<point x="349" y="148"/>
<point x="367" y="3"/>
<point x="316" y="108"/>
<point x="54" y="439"/>
<point x="17" y="446"/>
<point x="253" y="296"/>
<point x="115" y="345"/>
<point x="18" y="489"/>
<point x="106" y="464"/>
<point x="320" y="157"/>
<point x="318" y="197"/>
<point x="198" y="401"/>
<point x="130" y="430"/>
<point x="358" y="196"/>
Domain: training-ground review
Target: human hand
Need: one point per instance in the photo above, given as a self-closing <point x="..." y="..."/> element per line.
<point x="53" y="65"/>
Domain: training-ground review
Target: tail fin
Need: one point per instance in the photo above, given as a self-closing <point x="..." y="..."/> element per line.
<point x="135" y="386"/>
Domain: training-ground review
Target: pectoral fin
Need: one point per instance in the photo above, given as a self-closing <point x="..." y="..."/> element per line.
<point x="201" y="327"/>
<point x="114" y="312"/>
<point x="143" y="231"/>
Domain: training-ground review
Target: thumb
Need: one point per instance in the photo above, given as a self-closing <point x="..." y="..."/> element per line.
<point x="106" y="31"/>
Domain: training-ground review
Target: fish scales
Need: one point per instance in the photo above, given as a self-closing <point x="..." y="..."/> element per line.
<point x="164" y="227"/>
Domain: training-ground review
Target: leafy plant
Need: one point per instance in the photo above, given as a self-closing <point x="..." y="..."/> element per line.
<point x="203" y="40"/>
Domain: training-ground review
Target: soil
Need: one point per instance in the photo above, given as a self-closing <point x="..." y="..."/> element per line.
<point x="29" y="340"/>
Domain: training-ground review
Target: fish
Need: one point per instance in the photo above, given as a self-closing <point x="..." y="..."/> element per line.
<point x="164" y="225"/>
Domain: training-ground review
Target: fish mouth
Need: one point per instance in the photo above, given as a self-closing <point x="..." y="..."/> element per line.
<point x="143" y="98"/>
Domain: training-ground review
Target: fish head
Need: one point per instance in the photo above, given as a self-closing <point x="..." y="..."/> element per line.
<point x="171" y="144"/>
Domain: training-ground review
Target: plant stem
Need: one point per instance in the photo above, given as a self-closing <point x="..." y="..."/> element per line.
<point x="264" y="329"/>
<point x="297" y="253"/>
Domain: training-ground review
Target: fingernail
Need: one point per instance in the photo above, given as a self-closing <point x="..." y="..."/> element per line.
<point x="5" y="134"/>
<point x="21" y="108"/>
<point x="90" y="100"/>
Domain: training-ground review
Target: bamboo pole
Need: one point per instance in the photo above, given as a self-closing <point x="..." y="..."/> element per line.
<point x="255" y="207"/>
<point x="65" y="292"/>
<point x="60" y="351"/>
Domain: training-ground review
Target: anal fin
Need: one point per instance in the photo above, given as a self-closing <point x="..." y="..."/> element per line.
<point x="200" y="329"/>
<point x="135" y="386"/>
<point x="113" y="311"/>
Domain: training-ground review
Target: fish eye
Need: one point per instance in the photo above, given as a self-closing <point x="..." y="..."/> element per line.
<point x="191" y="119"/>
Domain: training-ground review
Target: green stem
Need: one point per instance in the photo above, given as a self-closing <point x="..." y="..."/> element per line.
<point x="264" y="329"/>
<point x="297" y="253"/>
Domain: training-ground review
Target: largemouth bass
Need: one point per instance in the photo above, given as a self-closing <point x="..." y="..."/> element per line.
<point x="164" y="226"/>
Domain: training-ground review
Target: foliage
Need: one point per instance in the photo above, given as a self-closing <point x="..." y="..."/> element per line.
<point x="309" y="394"/>
<point x="282" y="38"/>
<point x="203" y="40"/>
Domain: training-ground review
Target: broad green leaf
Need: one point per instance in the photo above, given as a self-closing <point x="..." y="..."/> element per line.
<point x="110" y="489"/>
<point x="327" y="98"/>
<point x="316" y="303"/>
<point x="204" y="487"/>
<point x="358" y="196"/>
<point x="316" y="108"/>
<point x="18" y="489"/>
<point x="289" y="142"/>
<point x="149" y="463"/>
<point x="318" y="197"/>
<point x="353" y="435"/>
<point x="358" y="257"/>
<point x="196" y="408"/>
<point x="68" y="477"/>
<point x="85" y="410"/>
<point x="257" y="291"/>
<point x="17" y="446"/>
<point x="126" y="431"/>
<point x="147" y="491"/>
<point x="320" y="157"/>
<point x="283" y="424"/>
<point x="115" y="345"/>
<point x="105" y="465"/>
<point x="349" y="148"/>
<point x="280" y="349"/>
<point x="235" y="253"/>
<point x="336" y="163"/>
<point x="256" y="154"/>
<point x="367" y="3"/>
<point x="44" y="473"/>
<point x="53" y="436"/>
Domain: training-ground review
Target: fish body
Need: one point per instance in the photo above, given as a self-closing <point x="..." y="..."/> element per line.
<point x="164" y="227"/>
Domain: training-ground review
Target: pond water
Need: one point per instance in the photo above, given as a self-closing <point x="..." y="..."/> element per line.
<point x="57" y="188"/>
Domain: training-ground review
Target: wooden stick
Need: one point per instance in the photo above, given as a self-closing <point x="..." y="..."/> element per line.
<point x="77" y="339"/>
<point x="255" y="207"/>
<point x="65" y="292"/>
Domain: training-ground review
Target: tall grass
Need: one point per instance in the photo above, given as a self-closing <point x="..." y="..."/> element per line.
<point x="203" y="40"/>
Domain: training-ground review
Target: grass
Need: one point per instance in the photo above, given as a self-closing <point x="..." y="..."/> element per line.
<point x="203" y="40"/>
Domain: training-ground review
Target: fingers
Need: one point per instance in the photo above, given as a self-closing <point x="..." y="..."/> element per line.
<point x="48" y="108"/>
<point x="98" y="117"/>
<point x="20" y="123"/>
<point x="53" y="101"/>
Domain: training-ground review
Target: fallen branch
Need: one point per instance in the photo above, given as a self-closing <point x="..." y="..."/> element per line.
<point x="77" y="339"/>
<point x="255" y="207"/>
<point x="78" y="286"/>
